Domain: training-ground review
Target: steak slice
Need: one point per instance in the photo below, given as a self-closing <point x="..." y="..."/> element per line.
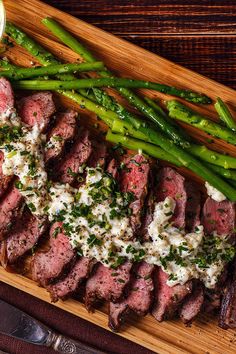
<point x="37" y="109"/>
<point x="134" y="179"/>
<point x="219" y="217"/>
<point x="48" y="266"/>
<point x="107" y="284"/>
<point x="69" y="168"/>
<point x="10" y="211"/>
<point x="193" y="303"/>
<point x="24" y="236"/>
<point x="4" y="180"/>
<point x="67" y="286"/>
<point x="99" y="154"/>
<point x="193" y="206"/>
<point x="6" y="97"/>
<point x="227" y="317"/>
<point x="172" y="184"/>
<point x="167" y="299"/>
<point x="112" y="168"/>
<point x="139" y="298"/>
<point x="63" y="131"/>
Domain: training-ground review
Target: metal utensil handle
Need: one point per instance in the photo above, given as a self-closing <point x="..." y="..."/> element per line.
<point x="66" y="345"/>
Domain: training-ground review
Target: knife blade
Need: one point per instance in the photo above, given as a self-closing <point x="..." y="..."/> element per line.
<point x="15" y="323"/>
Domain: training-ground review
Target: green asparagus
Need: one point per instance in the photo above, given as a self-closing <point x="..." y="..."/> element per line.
<point x="180" y="112"/>
<point x="224" y="114"/>
<point x="24" y="73"/>
<point x="157" y="152"/>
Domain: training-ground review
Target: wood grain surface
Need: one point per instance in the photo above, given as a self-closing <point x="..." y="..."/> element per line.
<point x="127" y="60"/>
<point x="200" y="35"/>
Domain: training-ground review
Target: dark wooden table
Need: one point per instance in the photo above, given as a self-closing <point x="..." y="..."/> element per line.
<point x="200" y="35"/>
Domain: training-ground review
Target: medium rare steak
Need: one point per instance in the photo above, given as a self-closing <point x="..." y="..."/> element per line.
<point x="24" y="236"/>
<point x="167" y="299"/>
<point x="70" y="167"/>
<point x="193" y="303"/>
<point x="99" y="154"/>
<point x="68" y="285"/>
<point x="107" y="284"/>
<point x="37" y="109"/>
<point x="172" y="184"/>
<point x="4" y="180"/>
<point x="64" y="130"/>
<point x="139" y="298"/>
<point x="228" y="307"/>
<point x="48" y="266"/>
<point x="134" y="179"/>
<point x="112" y="168"/>
<point x="11" y="206"/>
<point x="6" y="97"/>
<point x="219" y="217"/>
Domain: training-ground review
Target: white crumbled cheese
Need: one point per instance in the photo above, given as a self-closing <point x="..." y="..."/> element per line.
<point x="55" y="142"/>
<point x="214" y="193"/>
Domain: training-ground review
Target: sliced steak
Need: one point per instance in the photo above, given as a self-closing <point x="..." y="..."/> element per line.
<point x="48" y="266"/>
<point x="107" y="284"/>
<point x="24" y="236"/>
<point x="37" y="109"/>
<point x="228" y="307"/>
<point x="68" y="285"/>
<point x="10" y="211"/>
<point x="69" y="168"/>
<point x="99" y="154"/>
<point x="219" y="217"/>
<point x="134" y="179"/>
<point x="63" y="131"/>
<point x="172" y="184"/>
<point x="4" y="180"/>
<point x="194" y="301"/>
<point x="192" y="304"/>
<point x="112" y="168"/>
<point x="168" y="299"/>
<point x="193" y="206"/>
<point x="139" y="298"/>
<point x="6" y="97"/>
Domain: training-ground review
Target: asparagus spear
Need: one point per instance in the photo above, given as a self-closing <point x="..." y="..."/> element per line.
<point x="91" y="83"/>
<point x="77" y="47"/>
<point x="157" y="152"/>
<point x="23" y="73"/>
<point x="180" y="112"/>
<point x="224" y="114"/>
<point x="155" y="106"/>
<point x="200" y="151"/>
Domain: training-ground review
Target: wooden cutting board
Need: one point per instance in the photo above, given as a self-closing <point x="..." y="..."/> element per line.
<point x="130" y="61"/>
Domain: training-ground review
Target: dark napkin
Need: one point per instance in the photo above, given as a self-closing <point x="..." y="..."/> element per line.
<point x="63" y="323"/>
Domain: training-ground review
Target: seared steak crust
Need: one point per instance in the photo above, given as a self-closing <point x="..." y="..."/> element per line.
<point x="192" y="304"/>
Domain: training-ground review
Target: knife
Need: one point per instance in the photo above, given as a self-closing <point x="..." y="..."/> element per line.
<point x="17" y="324"/>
